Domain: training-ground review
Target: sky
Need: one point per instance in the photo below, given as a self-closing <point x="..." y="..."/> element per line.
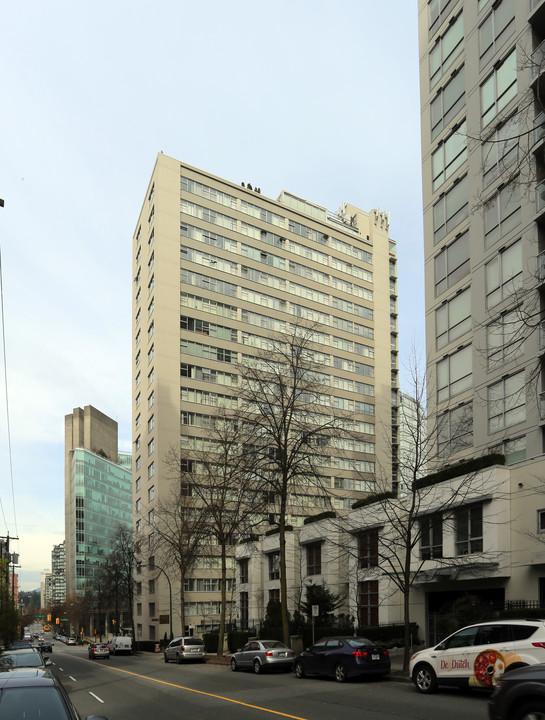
<point x="318" y="97"/>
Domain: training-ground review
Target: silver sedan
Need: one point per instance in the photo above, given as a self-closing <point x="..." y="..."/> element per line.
<point x="263" y="655"/>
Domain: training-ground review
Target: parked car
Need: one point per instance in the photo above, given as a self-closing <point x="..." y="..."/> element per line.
<point x="99" y="650"/>
<point x="70" y="641"/>
<point x="21" y="645"/>
<point x="46" y="646"/>
<point x="186" y="648"/>
<point x="519" y="695"/>
<point x="263" y="655"/>
<point x="28" y="693"/>
<point x="29" y="658"/>
<point x="121" y="645"/>
<point x="478" y="655"/>
<point x="343" y="657"/>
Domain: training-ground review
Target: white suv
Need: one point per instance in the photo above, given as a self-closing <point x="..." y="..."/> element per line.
<point x="478" y="655"/>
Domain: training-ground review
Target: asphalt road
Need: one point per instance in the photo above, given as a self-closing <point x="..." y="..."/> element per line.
<point x="141" y="687"/>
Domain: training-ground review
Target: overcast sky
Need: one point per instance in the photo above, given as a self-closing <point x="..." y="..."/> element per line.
<point x="317" y="97"/>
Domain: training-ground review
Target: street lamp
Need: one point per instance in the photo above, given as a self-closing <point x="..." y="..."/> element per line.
<point x="169" y="594"/>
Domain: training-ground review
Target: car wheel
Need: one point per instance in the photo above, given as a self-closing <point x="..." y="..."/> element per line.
<point x="179" y="659"/>
<point x="257" y="667"/>
<point x="425" y="679"/>
<point x="299" y="670"/>
<point x="234" y="665"/>
<point x="166" y="659"/>
<point x="533" y="710"/>
<point x="340" y="673"/>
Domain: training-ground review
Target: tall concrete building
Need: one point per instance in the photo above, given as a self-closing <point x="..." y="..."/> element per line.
<point x="58" y="574"/>
<point x="481" y="75"/>
<point x="218" y="267"/>
<point x="98" y="494"/>
<point x="482" y="163"/>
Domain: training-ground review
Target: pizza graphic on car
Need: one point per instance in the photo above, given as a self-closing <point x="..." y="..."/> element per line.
<point x="478" y="655"/>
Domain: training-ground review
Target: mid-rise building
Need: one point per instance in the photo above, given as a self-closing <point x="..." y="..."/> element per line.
<point x="98" y="493"/>
<point x="218" y="268"/>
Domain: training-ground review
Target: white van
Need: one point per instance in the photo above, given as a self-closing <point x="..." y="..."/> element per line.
<point x="121" y="644"/>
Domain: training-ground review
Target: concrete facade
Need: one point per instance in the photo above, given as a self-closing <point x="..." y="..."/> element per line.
<point x="218" y="267"/>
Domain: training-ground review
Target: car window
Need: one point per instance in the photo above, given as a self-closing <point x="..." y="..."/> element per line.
<point x="522" y="632"/>
<point x="193" y="641"/>
<point x="319" y="646"/>
<point x="269" y="644"/>
<point x="254" y="646"/>
<point x="332" y="644"/>
<point x="463" y="638"/>
<point x="493" y="634"/>
<point x="357" y="642"/>
<point x="246" y="647"/>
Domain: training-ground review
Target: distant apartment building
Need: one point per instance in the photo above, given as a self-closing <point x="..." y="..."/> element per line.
<point x="219" y="268"/>
<point x="98" y="494"/>
<point x="58" y="574"/>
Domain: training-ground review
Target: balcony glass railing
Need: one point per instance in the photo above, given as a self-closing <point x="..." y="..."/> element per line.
<point x="542" y="405"/>
<point x="538" y="56"/>
<point x="534" y="4"/>
<point x="541" y="266"/>
<point x="540" y="197"/>
<point x="539" y="128"/>
<point x="542" y="335"/>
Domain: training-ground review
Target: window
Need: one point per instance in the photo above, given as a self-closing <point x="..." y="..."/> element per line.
<point x="454" y="374"/>
<point x="314" y="558"/>
<point x="368" y="603"/>
<point x="138" y="378"/>
<point x="151" y="446"/>
<point x="448" y="102"/>
<point x="514" y="450"/>
<point x="151" y="517"/>
<point x="151" y="376"/>
<point x="446" y="49"/>
<point x="150" y="330"/>
<point x="151" y="609"/>
<point x="151" y="307"/>
<point x="137" y="400"/>
<point x="274" y="566"/>
<point x="452" y="264"/>
<point x="449" y="156"/>
<point x="455" y="430"/>
<point x="151" y="399"/>
<point x="469" y="530"/>
<point x="138" y="463"/>
<point x="137" y="484"/>
<point x="541" y="521"/>
<point x="505" y="339"/>
<point x="437" y="12"/>
<point x="150" y="354"/>
<point x="451" y="208"/>
<point x="500" y="150"/>
<point x="151" y="586"/>
<point x="503" y="274"/>
<point x="139" y="609"/>
<point x="151" y="423"/>
<point x="138" y="526"/>
<point x="497" y="27"/>
<point x="507" y="402"/>
<point x="499" y="88"/>
<point x="368" y="549"/>
<point x="453" y="319"/>
<point x="431" y="537"/>
<point x="151" y="470"/>
<point x="243" y="606"/>
<point x="274" y="595"/>
<point x="137" y="443"/>
<point x="151" y="493"/>
<point x="243" y="570"/>
<point x="137" y="421"/>
<point x="501" y="213"/>
<point x="138" y="505"/>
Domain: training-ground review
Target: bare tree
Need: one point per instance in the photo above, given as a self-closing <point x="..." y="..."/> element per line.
<point x="285" y="401"/>
<point x="179" y="528"/>
<point x="224" y="485"/>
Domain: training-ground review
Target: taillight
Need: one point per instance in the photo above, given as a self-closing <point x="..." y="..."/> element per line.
<point x="385" y="652"/>
<point x="182" y="648"/>
<point x="269" y="653"/>
<point x="360" y="653"/>
<point x="539" y="644"/>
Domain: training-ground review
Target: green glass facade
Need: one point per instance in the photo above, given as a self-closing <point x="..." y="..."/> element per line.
<point x="103" y="500"/>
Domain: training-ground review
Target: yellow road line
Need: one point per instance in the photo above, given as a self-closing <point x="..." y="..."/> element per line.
<point x="201" y="692"/>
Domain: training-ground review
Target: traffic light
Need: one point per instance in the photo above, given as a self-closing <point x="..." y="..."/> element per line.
<point x="57" y="621"/>
<point x="48" y="617"/>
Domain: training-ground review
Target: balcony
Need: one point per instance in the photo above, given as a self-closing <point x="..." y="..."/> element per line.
<point x="541" y="402"/>
<point x="541" y="267"/>
<point x="537" y="14"/>
<point x="538" y="132"/>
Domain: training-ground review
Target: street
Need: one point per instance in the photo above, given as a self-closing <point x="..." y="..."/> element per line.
<point x="143" y="686"/>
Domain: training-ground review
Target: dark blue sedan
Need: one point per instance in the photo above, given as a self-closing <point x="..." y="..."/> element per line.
<point x="343" y="657"/>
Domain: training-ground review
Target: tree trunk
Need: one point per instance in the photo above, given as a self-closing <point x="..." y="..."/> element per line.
<point x="283" y="579"/>
<point x="221" y="631"/>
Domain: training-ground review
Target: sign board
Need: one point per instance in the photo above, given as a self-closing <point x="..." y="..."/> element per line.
<point x="191" y="626"/>
<point x="65" y="619"/>
<point x="39" y="616"/>
<point x="164" y="619"/>
<point x="315" y="610"/>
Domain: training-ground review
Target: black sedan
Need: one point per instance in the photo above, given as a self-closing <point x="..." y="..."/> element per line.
<point x="519" y="695"/>
<point x="343" y="657"/>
